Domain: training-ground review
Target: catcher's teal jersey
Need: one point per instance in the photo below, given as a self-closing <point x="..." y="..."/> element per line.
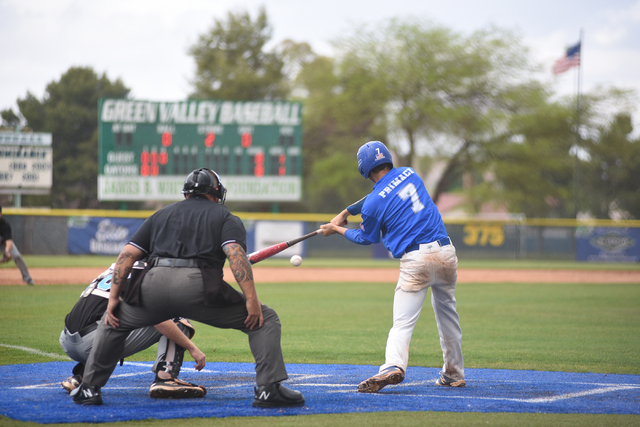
<point x="401" y="211"/>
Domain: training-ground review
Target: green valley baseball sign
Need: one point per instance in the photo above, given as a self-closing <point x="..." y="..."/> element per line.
<point x="147" y="148"/>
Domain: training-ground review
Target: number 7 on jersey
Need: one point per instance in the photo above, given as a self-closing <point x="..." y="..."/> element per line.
<point x="409" y="192"/>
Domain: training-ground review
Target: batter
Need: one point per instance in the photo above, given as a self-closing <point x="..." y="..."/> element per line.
<point x="400" y="211"/>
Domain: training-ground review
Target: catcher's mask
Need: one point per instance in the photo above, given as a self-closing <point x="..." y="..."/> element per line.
<point x="204" y="181"/>
<point x="372" y="154"/>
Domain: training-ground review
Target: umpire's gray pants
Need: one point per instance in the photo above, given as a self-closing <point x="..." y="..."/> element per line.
<point x="169" y="292"/>
<point x="17" y="258"/>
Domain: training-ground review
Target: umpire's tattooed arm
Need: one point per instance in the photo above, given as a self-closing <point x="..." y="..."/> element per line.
<point x="243" y="273"/>
<point x="129" y="255"/>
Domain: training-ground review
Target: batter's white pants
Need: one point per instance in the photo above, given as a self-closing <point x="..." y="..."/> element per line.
<point x="419" y="272"/>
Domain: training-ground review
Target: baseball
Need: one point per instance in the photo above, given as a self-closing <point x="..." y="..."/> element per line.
<point x="296" y="260"/>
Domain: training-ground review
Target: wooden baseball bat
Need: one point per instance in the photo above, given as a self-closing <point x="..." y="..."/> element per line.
<point x="279" y="247"/>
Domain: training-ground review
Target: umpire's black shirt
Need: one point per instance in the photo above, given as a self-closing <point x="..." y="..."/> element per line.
<point x="193" y="228"/>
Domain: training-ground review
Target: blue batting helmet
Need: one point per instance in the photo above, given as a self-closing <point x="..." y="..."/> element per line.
<point x="372" y="154"/>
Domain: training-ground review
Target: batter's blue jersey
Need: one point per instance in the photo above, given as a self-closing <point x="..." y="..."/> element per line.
<point x="401" y="211"/>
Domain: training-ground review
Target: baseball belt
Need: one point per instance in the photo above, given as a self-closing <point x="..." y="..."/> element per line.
<point x="175" y="262"/>
<point x="442" y="242"/>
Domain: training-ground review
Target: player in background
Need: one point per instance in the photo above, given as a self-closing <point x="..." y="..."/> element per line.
<point x="10" y="250"/>
<point x="400" y="210"/>
<point x="172" y="336"/>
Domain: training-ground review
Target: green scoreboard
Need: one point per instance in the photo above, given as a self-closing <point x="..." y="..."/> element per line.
<point x="148" y="148"/>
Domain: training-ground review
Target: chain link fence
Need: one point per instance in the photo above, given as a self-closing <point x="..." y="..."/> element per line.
<point x="48" y="234"/>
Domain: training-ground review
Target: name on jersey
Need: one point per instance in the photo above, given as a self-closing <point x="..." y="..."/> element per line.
<point x="396" y="182"/>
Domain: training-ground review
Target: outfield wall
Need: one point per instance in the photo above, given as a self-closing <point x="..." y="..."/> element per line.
<point x="55" y="232"/>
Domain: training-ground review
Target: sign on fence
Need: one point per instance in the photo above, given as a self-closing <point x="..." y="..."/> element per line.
<point x="605" y="244"/>
<point x="100" y="236"/>
<point x="26" y="163"/>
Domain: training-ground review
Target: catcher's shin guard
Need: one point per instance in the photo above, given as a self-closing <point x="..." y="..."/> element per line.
<point x="78" y="369"/>
<point x="170" y="355"/>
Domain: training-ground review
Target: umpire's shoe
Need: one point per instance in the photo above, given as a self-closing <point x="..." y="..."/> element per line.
<point x="391" y="375"/>
<point x="175" y="389"/>
<point x="273" y="395"/>
<point x="87" y="395"/>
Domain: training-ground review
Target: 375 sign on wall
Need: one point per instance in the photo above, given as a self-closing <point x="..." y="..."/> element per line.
<point x="147" y="148"/>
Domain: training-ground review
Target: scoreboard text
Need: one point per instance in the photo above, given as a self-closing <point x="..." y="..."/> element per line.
<point x="148" y="148"/>
<point x="26" y="163"/>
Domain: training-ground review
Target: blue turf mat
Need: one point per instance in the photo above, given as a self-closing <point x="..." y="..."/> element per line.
<point x="33" y="393"/>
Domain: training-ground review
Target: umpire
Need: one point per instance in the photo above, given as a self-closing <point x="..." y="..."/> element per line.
<point x="187" y="244"/>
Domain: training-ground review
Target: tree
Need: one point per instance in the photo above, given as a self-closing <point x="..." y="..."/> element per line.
<point x="33" y="110"/>
<point x="295" y="57"/>
<point x="231" y="62"/>
<point x="69" y="110"/>
<point x="610" y="175"/>
<point x="555" y="160"/>
<point x="529" y="168"/>
<point x="9" y="119"/>
<point x="454" y="92"/>
<point x="343" y="109"/>
<point x="420" y="87"/>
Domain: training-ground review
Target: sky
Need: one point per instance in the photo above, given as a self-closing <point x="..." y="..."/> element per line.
<point x="145" y="42"/>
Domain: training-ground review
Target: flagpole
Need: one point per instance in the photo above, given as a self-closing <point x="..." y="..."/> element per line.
<point x="577" y="132"/>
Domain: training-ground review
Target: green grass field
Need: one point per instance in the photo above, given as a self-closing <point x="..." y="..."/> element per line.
<point x="550" y="327"/>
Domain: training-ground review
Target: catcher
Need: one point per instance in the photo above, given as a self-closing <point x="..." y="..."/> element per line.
<point x="172" y="336"/>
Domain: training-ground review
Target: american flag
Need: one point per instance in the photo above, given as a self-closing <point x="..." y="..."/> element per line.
<point x="570" y="59"/>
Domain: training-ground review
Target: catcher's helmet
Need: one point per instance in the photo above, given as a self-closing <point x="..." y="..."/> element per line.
<point x="204" y="181"/>
<point x="372" y="154"/>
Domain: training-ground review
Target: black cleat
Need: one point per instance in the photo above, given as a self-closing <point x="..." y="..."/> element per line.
<point x="87" y="395"/>
<point x="274" y="395"/>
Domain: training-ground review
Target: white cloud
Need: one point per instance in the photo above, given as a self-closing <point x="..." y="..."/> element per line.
<point x="37" y="7"/>
<point x="629" y="13"/>
<point x="608" y="36"/>
<point x="635" y="12"/>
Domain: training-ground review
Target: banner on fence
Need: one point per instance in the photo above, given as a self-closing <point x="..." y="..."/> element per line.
<point x="605" y="244"/>
<point x="100" y="236"/>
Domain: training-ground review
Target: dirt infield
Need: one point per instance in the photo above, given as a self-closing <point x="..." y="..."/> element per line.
<point x="62" y="276"/>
